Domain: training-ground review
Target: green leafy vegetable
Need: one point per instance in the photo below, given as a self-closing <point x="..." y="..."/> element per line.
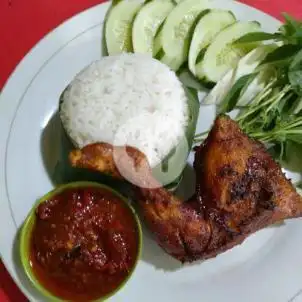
<point x="257" y="37"/>
<point x="295" y="73"/>
<point x="291" y="30"/>
<point x="292" y="159"/>
<point x="281" y="55"/>
<point x="174" y="162"/>
<point x="274" y="115"/>
<point x="189" y="80"/>
<point x="289" y="33"/>
<point x="232" y="97"/>
<point x="295" y="77"/>
<point x="115" y="2"/>
<point x="201" y="56"/>
<point x="160" y="54"/>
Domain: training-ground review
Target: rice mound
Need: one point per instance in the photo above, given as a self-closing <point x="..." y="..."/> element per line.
<point x="128" y="99"/>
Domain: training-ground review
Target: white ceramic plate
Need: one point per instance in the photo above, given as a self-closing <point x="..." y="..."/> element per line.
<point x="267" y="267"/>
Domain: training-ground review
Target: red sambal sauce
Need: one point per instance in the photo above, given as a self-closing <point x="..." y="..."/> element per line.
<point x="84" y="243"/>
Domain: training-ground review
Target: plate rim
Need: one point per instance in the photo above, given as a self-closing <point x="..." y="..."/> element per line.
<point x="25" y="81"/>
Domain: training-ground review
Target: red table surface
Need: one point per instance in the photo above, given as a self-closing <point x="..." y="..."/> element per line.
<point x="24" y="23"/>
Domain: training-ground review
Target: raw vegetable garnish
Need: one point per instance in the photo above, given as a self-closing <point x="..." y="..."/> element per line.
<point x="274" y="115"/>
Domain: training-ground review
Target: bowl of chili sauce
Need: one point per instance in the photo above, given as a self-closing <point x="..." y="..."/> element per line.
<point x="80" y="242"/>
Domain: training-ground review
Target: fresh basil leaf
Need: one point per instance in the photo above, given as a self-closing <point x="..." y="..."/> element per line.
<point x="192" y="94"/>
<point x="291" y="30"/>
<point x="160" y="54"/>
<point x="279" y="151"/>
<point x="174" y="162"/>
<point x="281" y="54"/>
<point x="289" y="106"/>
<point x="201" y="55"/>
<point x="297" y="138"/>
<point x="293" y="160"/>
<point x="297" y="107"/>
<point x="270" y="120"/>
<point x="295" y="73"/>
<point x="295" y="78"/>
<point x="257" y="37"/>
<point x="293" y="24"/>
<point x="298" y="36"/>
<point x="115" y="2"/>
<point x="189" y="80"/>
<point x="274" y="151"/>
<point x="231" y="99"/>
<point x="194" y="106"/>
<point x="173" y="186"/>
<point x="297" y="61"/>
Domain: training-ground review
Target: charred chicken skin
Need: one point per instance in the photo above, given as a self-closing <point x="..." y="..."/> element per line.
<point x="239" y="190"/>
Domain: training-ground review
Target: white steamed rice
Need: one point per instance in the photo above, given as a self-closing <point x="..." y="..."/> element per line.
<point x="126" y="99"/>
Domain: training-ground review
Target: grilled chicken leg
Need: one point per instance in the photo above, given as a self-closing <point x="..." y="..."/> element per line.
<point x="239" y="190"/>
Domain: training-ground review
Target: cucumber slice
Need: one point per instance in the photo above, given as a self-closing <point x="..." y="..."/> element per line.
<point x="146" y="24"/>
<point x="118" y="31"/>
<point x="205" y="31"/>
<point x="245" y="66"/>
<point x="176" y="31"/>
<point x="222" y="55"/>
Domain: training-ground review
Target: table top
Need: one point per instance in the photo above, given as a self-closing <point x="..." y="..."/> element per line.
<point x="24" y="23"/>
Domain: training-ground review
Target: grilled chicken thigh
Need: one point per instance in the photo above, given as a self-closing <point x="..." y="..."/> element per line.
<point x="239" y="190"/>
